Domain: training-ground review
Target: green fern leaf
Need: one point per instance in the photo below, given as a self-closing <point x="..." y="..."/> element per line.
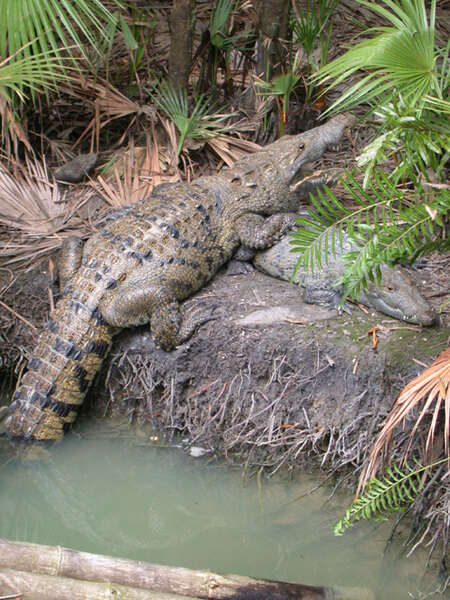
<point x="393" y="492"/>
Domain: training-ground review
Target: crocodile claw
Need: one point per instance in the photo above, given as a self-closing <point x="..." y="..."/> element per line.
<point x="194" y="316"/>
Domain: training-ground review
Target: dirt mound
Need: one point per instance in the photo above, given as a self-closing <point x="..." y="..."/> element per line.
<point x="271" y="380"/>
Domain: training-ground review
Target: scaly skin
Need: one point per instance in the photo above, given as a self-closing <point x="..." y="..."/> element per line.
<point x="396" y="296"/>
<point x="147" y="259"/>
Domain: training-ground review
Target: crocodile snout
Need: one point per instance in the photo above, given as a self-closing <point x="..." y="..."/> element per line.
<point x="398" y="297"/>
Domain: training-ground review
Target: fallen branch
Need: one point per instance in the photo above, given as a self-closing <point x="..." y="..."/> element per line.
<point x="47" y="587"/>
<point x="58" y="564"/>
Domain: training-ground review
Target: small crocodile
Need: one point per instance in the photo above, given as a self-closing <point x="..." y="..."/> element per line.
<point x="146" y="260"/>
<point x="396" y="296"/>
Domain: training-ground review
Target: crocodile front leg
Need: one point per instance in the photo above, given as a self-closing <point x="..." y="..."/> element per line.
<point x="257" y="232"/>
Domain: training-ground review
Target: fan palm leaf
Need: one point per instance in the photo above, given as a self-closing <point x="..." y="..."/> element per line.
<point x="32" y="72"/>
<point x="401" y="58"/>
<point x="35" y="214"/>
<point x="200" y="122"/>
<point x="19" y="73"/>
<point x="50" y="24"/>
<point x="430" y="393"/>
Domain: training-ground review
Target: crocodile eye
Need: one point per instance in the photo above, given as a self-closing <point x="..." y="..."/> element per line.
<point x="389" y="288"/>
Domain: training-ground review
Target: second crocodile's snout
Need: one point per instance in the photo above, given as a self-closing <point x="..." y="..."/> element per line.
<point x="398" y="297"/>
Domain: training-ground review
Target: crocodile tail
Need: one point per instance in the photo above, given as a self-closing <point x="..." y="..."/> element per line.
<point x="68" y="355"/>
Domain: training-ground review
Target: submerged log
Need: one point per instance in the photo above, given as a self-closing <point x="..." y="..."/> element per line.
<point x="62" y="563"/>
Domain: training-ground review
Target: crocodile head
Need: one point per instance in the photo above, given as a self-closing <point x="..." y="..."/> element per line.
<point x="275" y="179"/>
<point x="281" y="168"/>
<point x="398" y="297"/>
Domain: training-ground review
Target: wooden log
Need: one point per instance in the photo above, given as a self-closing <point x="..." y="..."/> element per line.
<point x="64" y="562"/>
<point x="34" y="586"/>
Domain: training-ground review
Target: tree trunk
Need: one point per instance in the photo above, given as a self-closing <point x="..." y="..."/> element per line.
<point x="181" y="24"/>
<point x="273" y="31"/>
<point x="62" y="564"/>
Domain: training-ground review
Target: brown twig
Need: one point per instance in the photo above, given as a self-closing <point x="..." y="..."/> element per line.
<point x="16" y="314"/>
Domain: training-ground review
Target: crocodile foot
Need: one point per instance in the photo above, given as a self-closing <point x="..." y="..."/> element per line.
<point x="239" y="267"/>
<point x="193" y="317"/>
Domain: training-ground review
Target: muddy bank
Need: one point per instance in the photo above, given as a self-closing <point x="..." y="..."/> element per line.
<point x="270" y="382"/>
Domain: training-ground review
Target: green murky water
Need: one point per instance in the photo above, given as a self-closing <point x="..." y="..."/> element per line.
<point x="124" y="498"/>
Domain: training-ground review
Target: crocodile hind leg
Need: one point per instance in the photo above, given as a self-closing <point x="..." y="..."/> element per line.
<point x="138" y="305"/>
<point x="69" y="259"/>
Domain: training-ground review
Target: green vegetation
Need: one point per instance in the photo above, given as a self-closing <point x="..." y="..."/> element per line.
<point x="41" y="27"/>
<point x="200" y="123"/>
<point x="393" y="492"/>
<point x="312" y="28"/>
<point x="403" y="204"/>
<point x="222" y="41"/>
<point x="41" y="42"/>
<point x="282" y="86"/>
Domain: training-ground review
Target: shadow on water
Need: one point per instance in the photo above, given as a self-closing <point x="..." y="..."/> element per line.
<point x="124" y="498"/>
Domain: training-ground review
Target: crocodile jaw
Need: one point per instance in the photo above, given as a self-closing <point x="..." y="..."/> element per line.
<point x="398" y="297"/>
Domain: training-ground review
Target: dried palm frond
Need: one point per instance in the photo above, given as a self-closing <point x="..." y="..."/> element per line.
<point x="108" y="104"/>
<point x="35" y="212"/>
<point x="230" y="149"/>
<point x="431" y="392"/>
<point x="134" y="175"/>
<point x="172" y="143"/>
<point x="29" y="200"/>
<point x="12" y="131"/>
<point x="28" y="249"/>
<point x="127" y="184"/>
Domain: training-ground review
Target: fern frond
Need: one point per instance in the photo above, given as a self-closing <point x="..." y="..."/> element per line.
<point x="393" y="492"/>
<point x="323" y="227"/>
<point x="390" y="222"/>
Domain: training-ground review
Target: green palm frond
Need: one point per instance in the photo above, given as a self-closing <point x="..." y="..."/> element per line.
<point x="201" y="122"/>
<point x="309" y="22"/>
<point x="437" y="104"/>
<point x="390" y="222"/>
<point x="50" y="24"/>
<point x="281" y="86"/>
<point x="33" y="72"/>
<point x="393" y="492"/>
<point x="20" y="77"/>
<point x="401" y="58"/>
<point x="219" y="25"/>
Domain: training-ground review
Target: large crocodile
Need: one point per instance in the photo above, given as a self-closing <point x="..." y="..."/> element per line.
<point x="147" y="259"/>
<point x="397" y="294"/>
